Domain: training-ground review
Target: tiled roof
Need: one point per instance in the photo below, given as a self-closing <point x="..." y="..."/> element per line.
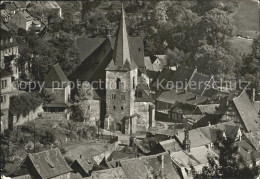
<point x="12" y="26"/>
<point x="55" y="75"/>
<point x="208" y="108"/>
<point x="86" y="164"/>
<point x="134" y="168"/>
<point x="22" y="177"/>
<point x="196" y="156"/>
<point x="49" y="163"/>
<point x="199" y="82"/>
<point x="116" y="173"/>
<point x="174" y="96"/>
<point x="148" y="64"/>
<point x="254" y="139"/>
<point x="10" y="6"/>
<point x="154" y="164"/>
<point x="246" y="150"/>
<point x="196" y="136"/>
<point x="247" y="112"/>
<point x="211" y="132"/>
<point x="170" y="145"/>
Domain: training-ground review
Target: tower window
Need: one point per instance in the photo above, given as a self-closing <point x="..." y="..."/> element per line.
<point x="122" y="108"/>
<point x="122" y="97"/>
<point x="118" y="81"/>
<point x="114" y="107"/>
<point x="139" y="49"/>
<point x="139" y="94"/>
<point x="113" y="96"/>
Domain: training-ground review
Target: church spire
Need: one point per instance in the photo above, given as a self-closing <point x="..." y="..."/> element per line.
<point x="122" y="57"/>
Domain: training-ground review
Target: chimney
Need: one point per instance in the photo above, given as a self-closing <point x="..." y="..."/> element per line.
<point x="195" y="96"/>
<point x="209" y="123"/>
<point x="162" y="157"/>
<point x="186" y="85"/>
<point x="186" y="141"/>
<point x="196" y="68"/>
<point x="253" y="94"/>
<point x="108" y="31"/>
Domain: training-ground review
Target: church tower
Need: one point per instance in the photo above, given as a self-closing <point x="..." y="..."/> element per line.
<point x="121" y="81"/>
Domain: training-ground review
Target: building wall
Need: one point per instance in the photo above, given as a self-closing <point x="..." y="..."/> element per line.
<point x="147" y="116"/>
<point x="93" y="109"/>
<point x="61" y="95"/>
<point x="118" y="108"/>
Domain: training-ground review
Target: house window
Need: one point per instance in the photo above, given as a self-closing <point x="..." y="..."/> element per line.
<point x="88" y="107"/>
<point x="118" y="81"/>
<point x="3" y="99"/>
<point x="113" y="96"/>
<point x="3" y="84"/>
<point x="139" y="94"/>
<point x="114" y="107"/>
<point x="122" y="97"/>
<point x="122" y="108"/>
<point x="133" y="82"/>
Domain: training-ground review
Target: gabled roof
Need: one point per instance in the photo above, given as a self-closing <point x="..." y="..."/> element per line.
<point x="170" y="145"/>
<point x="196" y="156"/>
<point x="211" y="132"/>
<point x="134" y="168"/>
<point x="85" y="164"/>
<point x="122" y="59"/>
<point x="179" y="77"/>
<point x="247" y="112"/>
<point x="116" y="173"/>
<point x="56" y="75"/>
<point x="199" y="82"/>
<point x="208" y="108"/>
<point x="10" y="6"/>
<point x="196" y="136"/>
<point x="174" y="96"/>
<point x="246" y="151"/>
<point x="49" y="163"/>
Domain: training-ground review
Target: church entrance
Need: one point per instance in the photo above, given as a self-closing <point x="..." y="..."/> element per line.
<point x="118" y="127"/>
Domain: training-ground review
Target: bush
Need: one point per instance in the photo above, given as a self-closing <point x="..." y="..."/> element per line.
<point x="48" y="137"/>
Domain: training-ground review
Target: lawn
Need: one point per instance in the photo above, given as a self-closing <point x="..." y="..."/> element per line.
<point x="86" y="149"/>
<point x="247" y="18"/>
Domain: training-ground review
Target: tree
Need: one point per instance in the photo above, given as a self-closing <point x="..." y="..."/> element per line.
<point x="8" y="60"/>
<point x="176" y="57"/>
<point x="216" y="61"/>
<point x="229" y="164"/>
<point x="66" y="54"/>
<point x="216" y="27"/>
<point x="48" y="137"/>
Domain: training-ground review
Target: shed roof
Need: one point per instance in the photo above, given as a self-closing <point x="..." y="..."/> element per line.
<point x="116" y="173"/>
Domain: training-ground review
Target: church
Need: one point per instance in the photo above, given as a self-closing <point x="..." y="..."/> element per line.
<point x="125" y="103"/>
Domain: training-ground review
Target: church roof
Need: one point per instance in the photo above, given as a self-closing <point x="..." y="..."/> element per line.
<point x="122" y="58"/>
<point x="56" y="75"/>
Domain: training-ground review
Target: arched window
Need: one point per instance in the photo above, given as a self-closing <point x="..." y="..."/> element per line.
<point x="118" y="81"/>
<point x="122" y="108"/>
<point x="133" y="82"/>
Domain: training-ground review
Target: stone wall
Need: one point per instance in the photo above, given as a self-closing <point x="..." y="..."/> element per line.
<point x="93" y="109"/>
<point x="31" y="116"/>
<point x="54" y="115"/>
<point x="147" y="115"/>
